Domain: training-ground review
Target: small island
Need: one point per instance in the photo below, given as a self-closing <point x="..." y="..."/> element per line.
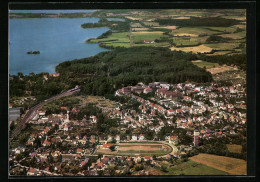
<point x="33" y="52"/>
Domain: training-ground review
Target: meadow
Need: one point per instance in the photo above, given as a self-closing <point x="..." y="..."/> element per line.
<point x="230" y="165"/>
<point x="194" y="168"/>
<point x="205" y="64"/>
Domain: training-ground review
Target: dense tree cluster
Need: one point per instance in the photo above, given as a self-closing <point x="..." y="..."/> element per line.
<point x="35" y="83"/>
<point x="216" y="38"/>
<point x="111" y="70"/>
<point x="195" y="21"/>
<point x="236" y="59"/>
<point x="121" y="26"/>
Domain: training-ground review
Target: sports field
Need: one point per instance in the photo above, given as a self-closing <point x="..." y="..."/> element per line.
<point x="138" y="149"/>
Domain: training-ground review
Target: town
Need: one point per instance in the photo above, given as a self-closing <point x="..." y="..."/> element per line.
<point x="164" y="123"/>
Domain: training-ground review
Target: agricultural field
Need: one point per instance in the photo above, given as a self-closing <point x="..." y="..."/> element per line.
<point x="203" y="64"/>
<point x="238" y="35"/>
<point x="230" y="165"/>
<point x="194" y="49"/>
<point x="139" y="29"/>
<point x="116" y="40"/>
<point x="193" y="31"/>
<point x="141" y="36"/>
<point x="234" y="148"/>
<point x="223" y="46"/>
<point x="167" y="27"/>
<point x="222" y="29"/>
<point x="184" y="38"/>
<point x="235" y="17"/>
<point x="194" y="168"/>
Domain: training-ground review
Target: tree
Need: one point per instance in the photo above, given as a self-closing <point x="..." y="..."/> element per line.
<point x="164" y="168"/>
<point x="60" y="158"/>
<point x="154" y="157"/>
<point x="112" y="148"/>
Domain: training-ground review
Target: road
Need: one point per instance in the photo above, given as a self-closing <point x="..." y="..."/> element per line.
<point x="32" y="112"/>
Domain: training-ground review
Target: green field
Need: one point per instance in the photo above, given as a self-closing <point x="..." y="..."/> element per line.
<point x="222" y="29"/>
<point x="122" y="39"/>
<point x="140" y="37"/>
<point x="201" y="64"/>
<point x="193" y="168"/>
<point x="116" y="40"/>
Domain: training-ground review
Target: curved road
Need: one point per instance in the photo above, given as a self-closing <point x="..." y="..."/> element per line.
<point x="32" y="112"/>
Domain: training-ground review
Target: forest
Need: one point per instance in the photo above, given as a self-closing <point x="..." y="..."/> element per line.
<point x="108" y="71"/>
<point x="120" y="26"/>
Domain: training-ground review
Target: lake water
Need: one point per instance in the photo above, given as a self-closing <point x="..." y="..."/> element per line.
<point x="57" y="39"/>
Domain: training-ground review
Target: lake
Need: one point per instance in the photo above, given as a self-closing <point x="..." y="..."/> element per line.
<point x="57" y="39"/>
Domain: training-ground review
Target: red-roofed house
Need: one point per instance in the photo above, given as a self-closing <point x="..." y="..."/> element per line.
<point x="146" y="158"/>
<point x="148" y="90"/>
<point x="178" y="110"/>
<point x="55" y="74"/>
<point x="173" y="139"/>
<point x="63" y="108"/>
<point x="79" y="150"/>
<point x="141" y="137"/>
<point x="170" y="112"/>
<point x="46" y="143"/>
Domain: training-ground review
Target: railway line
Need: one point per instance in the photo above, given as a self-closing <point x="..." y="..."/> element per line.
<point x="32" y="112"/>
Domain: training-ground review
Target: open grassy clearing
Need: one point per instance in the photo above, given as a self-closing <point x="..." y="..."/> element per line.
<point x="154" y="171"/>
<point x="193" y="168"/>
<point x="195" y="49"/>
<point x="227" y="164"/>
<point x="203" y="64"/>
<point x="218" y="69"/>
<point x="97" y="99"/>
<point x="234" y="148"/>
